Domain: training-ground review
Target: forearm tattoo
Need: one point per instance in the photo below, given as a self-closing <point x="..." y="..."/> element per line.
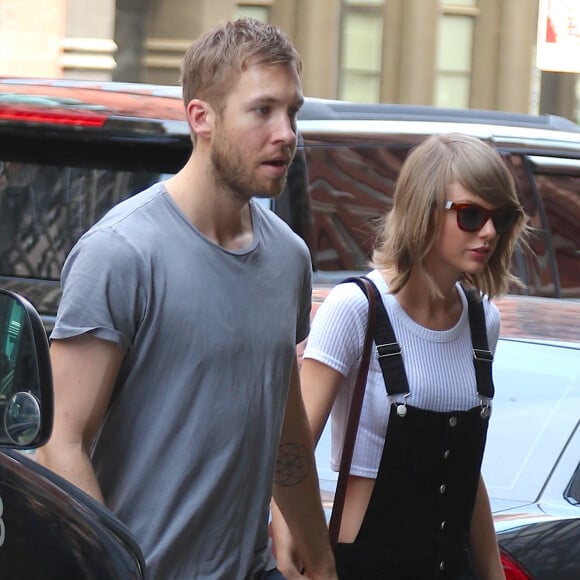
<point x="293" y="464"/>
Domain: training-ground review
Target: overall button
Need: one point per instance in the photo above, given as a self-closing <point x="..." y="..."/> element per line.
<point x="446" y="453"/>
<point x="442" y="488"/>
<point x="452" y="421"/>
<point x="442" y="526"/>
<point x="442" y="565"/>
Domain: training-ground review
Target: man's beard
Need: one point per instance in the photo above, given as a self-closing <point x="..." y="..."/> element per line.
<point x="233" y="175"/>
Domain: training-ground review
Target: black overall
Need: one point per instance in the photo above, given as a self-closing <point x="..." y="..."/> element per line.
<point x="417" y="522"/>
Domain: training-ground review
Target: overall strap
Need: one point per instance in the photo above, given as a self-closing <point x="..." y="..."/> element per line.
<point x="389" y="351"/>
<point x="391" y="360"/>
<point x="482" y="356"/>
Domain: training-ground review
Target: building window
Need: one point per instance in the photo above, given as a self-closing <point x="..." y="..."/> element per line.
<point x="361" y="51"/>
<point x="258" y="11"/>
<point x="454" y="53"/>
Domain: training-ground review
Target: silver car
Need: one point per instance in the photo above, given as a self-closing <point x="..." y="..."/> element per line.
<point x="532" y="459"/>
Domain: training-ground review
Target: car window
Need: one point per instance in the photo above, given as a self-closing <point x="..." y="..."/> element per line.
<point x="351" y="188"/>
<point x="44" y="209"/>
<point x="535" y="267"/>
<point x="558" y="183"/>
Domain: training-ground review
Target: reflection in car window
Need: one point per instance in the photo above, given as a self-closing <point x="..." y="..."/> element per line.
<point x="535" y="267"/>
<point x="351" y="189"/>
<point x="561" y="198"/>
<point x="44" y="209"/>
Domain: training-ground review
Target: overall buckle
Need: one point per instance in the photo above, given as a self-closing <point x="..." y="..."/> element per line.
<point x="388" y="349"/>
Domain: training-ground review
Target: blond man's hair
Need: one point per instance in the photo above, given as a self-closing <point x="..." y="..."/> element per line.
<point x="213" y="62"/>
<point x="412" y="226"/>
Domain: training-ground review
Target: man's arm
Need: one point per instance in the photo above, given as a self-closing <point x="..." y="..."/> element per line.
<point x="483" y="539"/>
<point x="84" y="371"/>
<point x="296" y="488"/>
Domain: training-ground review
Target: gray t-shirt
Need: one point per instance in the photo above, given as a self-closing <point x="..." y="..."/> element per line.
<point x="186" y="454"/>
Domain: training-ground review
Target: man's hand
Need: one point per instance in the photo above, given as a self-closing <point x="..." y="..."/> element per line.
<point x="297" y="496"/>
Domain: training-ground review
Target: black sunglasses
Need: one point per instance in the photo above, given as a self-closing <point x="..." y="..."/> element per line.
<point x="472" y="217"/>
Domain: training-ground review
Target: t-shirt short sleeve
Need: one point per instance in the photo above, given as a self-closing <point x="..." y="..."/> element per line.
<point x="102" y="270"/>
<point x="338" y="329"/>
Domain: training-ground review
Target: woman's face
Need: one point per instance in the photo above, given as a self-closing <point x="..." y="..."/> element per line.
<point x="458" y="251"/>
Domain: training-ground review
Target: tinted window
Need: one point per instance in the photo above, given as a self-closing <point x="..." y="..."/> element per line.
<point x="351" y="189"/>
<point x="44" y="209"/>
<point x="534" y="267"/>
<point x="54" y="186"/>
<point x="561" y="198"/>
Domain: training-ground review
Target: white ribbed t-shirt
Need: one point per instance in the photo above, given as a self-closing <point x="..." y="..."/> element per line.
<point x="438" y="363"/>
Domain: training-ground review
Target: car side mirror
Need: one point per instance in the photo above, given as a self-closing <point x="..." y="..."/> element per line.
<point x="26" y="395"/>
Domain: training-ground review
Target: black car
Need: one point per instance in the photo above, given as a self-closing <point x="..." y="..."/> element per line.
<point x="541" y="548"/>
<point x="49" y="529"/>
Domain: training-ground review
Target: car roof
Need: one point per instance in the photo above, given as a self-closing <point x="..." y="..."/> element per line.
<point x="325" y="109"/>
<point x="118" y="104"/>
<point x="67" y="105"/>
<point x="123" y="97"/>
<point x="110" y="98"/>
<point x="344" y="122"/>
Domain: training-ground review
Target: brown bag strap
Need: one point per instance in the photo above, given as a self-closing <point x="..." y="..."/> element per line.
<point x="355" y="408"/>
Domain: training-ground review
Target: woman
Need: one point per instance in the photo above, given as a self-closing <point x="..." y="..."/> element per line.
<point x="416" y="505"/>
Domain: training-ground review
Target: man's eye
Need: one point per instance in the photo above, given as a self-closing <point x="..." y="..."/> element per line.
<point x="264" y="110"/>
<point x="293" y="116"/>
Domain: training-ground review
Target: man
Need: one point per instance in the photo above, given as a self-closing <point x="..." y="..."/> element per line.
<point x="177" y="392"/>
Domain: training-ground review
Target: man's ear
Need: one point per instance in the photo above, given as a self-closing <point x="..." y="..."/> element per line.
<point x="201" y="117"/>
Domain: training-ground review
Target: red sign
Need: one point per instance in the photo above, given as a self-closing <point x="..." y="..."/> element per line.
<point x="559" y="36"/>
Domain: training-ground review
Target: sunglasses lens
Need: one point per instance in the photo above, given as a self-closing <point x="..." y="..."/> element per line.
<point x="503" y="221"/>
<point x="471" y="218"/>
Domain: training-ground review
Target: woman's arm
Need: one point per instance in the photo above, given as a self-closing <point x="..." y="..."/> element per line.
<point x="320" y="385"/>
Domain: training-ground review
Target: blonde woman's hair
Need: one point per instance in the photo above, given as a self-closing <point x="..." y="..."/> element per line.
<point x="211" y="65"/>
<point x="412" y="226"/>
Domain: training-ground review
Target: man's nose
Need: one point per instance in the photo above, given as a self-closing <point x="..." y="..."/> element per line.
<point x="285" y="130"/>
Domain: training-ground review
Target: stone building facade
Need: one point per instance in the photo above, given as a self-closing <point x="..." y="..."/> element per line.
<point x="460" y="53"/>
